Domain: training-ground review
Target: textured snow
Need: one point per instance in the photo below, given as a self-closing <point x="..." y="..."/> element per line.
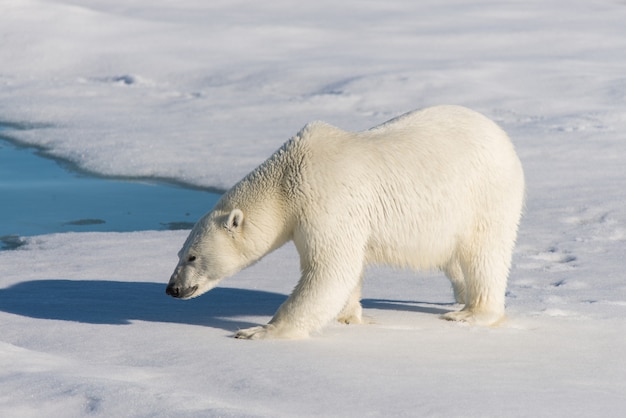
<point x="202" y="92"/>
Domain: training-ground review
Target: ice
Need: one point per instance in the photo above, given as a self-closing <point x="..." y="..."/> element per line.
<point x="201" y="92"/>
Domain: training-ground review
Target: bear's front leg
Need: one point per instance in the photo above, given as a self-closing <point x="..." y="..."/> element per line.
<point x="318" y="298"/>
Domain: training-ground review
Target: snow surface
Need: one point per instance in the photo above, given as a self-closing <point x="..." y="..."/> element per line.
<point x="201" y="92"/>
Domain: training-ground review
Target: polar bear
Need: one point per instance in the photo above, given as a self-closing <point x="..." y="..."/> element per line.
<point x="440" y="188"/>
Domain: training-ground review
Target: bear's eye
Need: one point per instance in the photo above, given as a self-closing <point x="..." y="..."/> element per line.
<point x="191" y="258"/>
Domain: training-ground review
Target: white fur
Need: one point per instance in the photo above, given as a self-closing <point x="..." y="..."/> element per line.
<point x="436" y="188"/>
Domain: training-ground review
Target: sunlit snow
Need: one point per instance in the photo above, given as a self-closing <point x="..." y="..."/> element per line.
<point x="200" y="93"/>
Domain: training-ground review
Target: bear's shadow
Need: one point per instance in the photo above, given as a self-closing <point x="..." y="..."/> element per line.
<point x="118" y="303"/>
<point x="434" y="308"/>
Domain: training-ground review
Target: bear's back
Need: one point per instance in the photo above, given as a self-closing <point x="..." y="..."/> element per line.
<point x="443" y="146"/>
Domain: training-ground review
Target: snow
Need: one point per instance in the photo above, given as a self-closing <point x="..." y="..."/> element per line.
<point x="202" y="92"/>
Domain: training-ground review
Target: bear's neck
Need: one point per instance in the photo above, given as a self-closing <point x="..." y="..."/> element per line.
<point x="266" y="197"/>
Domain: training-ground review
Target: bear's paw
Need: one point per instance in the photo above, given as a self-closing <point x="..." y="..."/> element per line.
<point x="269" y="331"/>
<point x="481" y="318"/>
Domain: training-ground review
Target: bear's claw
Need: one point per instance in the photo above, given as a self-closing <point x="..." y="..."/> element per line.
<point x="270" y="331"/>
<point x="254" y="333"/>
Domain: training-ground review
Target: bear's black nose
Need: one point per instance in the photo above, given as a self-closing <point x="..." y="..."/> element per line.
<point x="173" y="290"/>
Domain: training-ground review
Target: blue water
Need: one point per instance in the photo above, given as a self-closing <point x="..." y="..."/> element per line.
<point x="41" y="195"/>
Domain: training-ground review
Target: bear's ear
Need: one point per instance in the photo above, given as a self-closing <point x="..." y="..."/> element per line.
<point x="234" y="221"/>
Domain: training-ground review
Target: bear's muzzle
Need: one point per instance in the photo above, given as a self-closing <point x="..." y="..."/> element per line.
<point x="177" y="292"/>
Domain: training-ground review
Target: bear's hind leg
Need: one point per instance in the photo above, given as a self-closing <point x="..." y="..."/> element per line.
<point x="486" y="275"/>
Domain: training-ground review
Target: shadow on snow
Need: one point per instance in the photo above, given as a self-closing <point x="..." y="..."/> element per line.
<point x="434" y="308"/>
<point x="118" y="303"/>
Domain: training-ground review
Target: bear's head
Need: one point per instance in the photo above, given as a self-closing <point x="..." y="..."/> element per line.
<point x="215" y="249"/>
